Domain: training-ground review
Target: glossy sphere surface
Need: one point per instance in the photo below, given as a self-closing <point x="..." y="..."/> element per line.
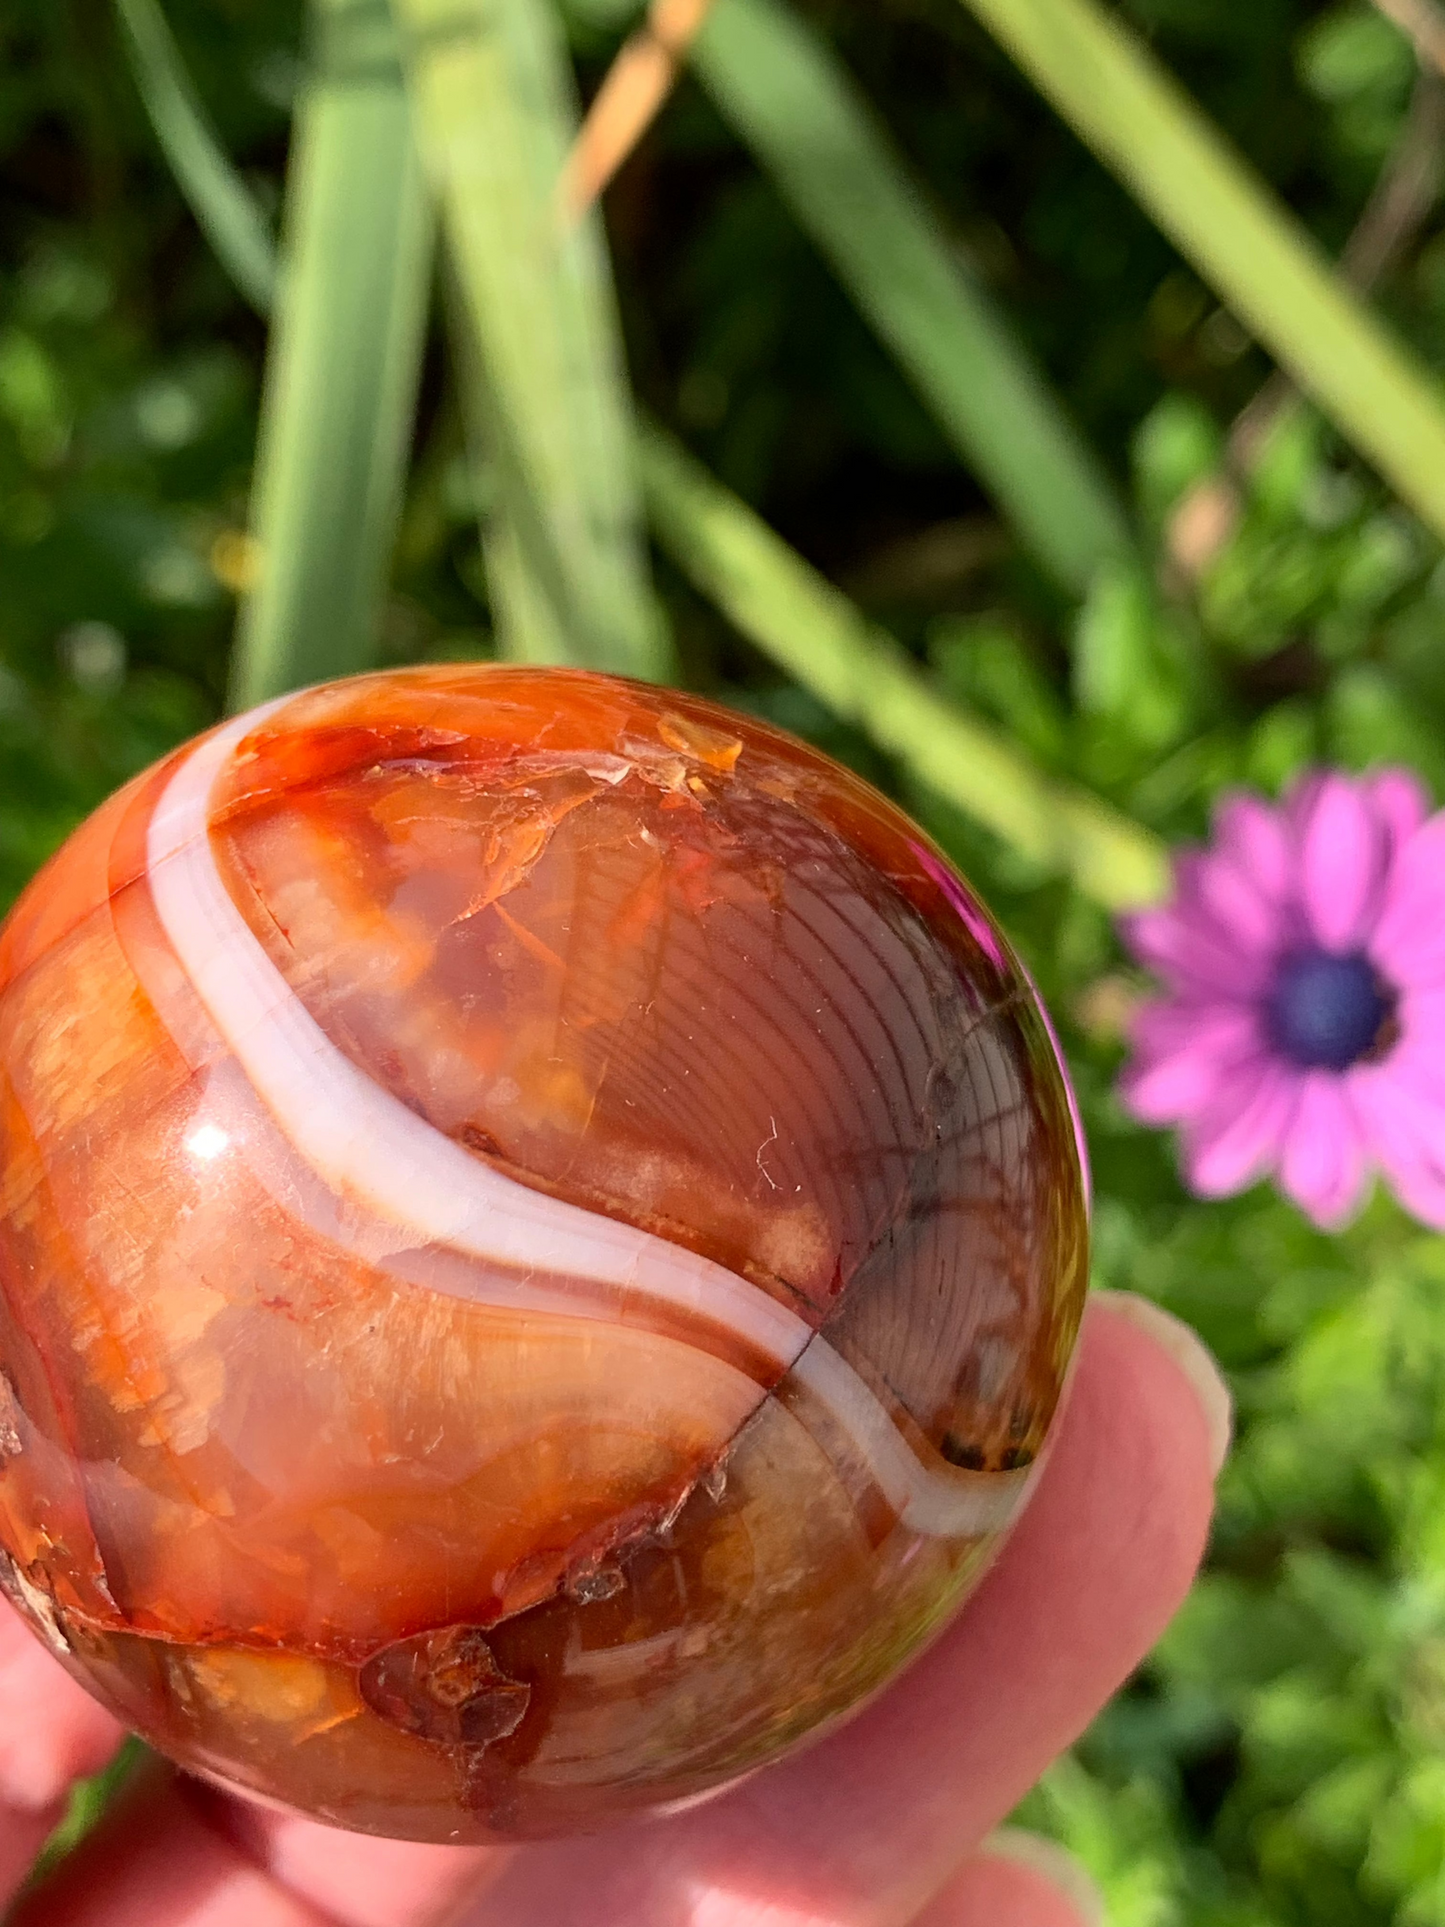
<point x="541" y="1231"/>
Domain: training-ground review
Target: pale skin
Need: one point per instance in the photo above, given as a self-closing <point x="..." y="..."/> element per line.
<point x="884" y="1823"/>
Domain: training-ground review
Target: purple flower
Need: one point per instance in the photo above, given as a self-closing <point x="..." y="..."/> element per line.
<point x="1303" y="1029"/>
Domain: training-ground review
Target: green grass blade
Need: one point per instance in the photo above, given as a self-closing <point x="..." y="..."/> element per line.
<point x="87" y="1804"/>
<point x="497" y="116"/>
<point x="219" y="199"/>
<point x="1263" y="265"/>
<point x="813" y="632"/>
<point x="781" y="86"/>
<point x="342" y="370"/>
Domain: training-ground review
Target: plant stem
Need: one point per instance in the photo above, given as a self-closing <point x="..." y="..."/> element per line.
<point x="342" y="366"/>
<point x="813" y="632"/>
<point x="219" y="199"/>
<point x="1407" y="189"/>
<point x="790" y="98"/>
<point x="542" y="356"/>
<point x="1422" y="22"/>
<point x="1140" y="123"/>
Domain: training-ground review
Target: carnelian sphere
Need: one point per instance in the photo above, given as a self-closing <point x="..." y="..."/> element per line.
<point x="542" y="1230"/>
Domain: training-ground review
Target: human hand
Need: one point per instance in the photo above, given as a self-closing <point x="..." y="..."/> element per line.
<point x="885" y="1823"/>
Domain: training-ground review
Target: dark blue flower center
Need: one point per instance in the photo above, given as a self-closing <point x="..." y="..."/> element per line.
<point x="1327" y="1012"/>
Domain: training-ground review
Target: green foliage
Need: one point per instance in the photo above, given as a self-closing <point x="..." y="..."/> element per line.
<point x="796" y="107"/>
<point x="1245" y="244"/>
<point x="809" y="629"/>
<point x="1360" y="65"/>
<point x="540" y="361"/>
<point x="88" y="1802"/>
<point x="342" y="368"/>
<point x="1305" y="1672"/>
<point x="1126" y="674"/>
<point x="226" y="212"/>
<point x="830" y="554"/>
<point x="1279" y="1762"/>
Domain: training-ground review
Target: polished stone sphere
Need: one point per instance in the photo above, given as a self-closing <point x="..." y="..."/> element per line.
<point x="541" y="1236"/>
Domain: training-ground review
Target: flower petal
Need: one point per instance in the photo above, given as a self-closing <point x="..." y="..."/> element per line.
<point x="1194" y="944"/>
<point x="1344" y="853"/>
<point x="1239" y="1139"/>
<point x="1405" y="1133"/>
<point x="1409" y="940"/>
<point x="1165" y="1024"/>
<point x="1185" y="1057"/>
<point x="1323" y="1164"/>
<point x="1420" y="1189"/>
<point x="1252" y="835"/>
<point x="1227" y="893"/>
<point x="1418" y="1055"/>
<point x="1397" y="796"/>
<point x="1298" y="804"/>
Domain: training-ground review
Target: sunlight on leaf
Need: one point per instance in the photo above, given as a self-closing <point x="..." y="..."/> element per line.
<point x="342" y="368"/>
<point x="548" y="395"/>
<point x="810" y="629"/>
<point x="791" y="99"/>
<point x="1141" y="124"/>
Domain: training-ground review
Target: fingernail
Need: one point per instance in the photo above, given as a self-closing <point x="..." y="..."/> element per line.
<point x="1052" y="1863"/>
<point x="1194" y="1359"/>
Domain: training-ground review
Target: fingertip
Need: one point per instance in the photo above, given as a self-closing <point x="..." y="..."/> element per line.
<point x="1052" y="1864"/>
<point x="1111" y="1540"/>
<point x="1017" y="1879"/>
<point x="1187" y="1351"/>
<point x="1127" y="1494"/>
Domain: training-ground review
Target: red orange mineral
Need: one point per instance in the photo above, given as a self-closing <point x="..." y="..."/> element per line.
<point x="542" y="1228"/>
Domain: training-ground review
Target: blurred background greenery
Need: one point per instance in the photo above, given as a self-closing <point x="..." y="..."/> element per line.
<point x="917" y="389"/>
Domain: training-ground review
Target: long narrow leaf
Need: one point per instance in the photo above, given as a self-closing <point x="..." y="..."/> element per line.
<point x="342" y="369"/>
<point x="1118" y="98"/>
<point x="496" y="115"/>
<point x="780" y="84"/>
<point x="224" y="209"/>
<point x="811" y="630"/>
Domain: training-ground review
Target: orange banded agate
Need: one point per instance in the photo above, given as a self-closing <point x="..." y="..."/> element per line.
<point x="542" y="1231"/>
